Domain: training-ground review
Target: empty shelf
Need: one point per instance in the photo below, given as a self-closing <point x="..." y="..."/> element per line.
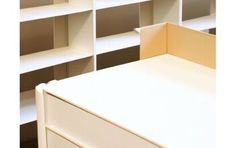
<point x="39" y="60"/>
<point x="27" y="107"/>
<point x="116" y="42"/>
<point x="201" y="23"/>
<point x="102" y="4"/>
<point x="34" y="13"/>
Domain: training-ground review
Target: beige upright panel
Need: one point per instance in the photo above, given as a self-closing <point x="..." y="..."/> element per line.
<point x="153" y="41"/>
<point x="60" y="40"/>
<point x="76" y="31"/>
<point x="167" y="10"/>
<point x="192" y="45"/>
<point x="81" y="37"/>
<point x="81" y="31"/>
<point x="40" y="116"/>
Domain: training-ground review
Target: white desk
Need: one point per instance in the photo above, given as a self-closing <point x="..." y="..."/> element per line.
<point x="165" y="99"/>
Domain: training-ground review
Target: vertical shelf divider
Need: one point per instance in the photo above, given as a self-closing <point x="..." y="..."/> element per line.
<point x="60" y="30"/>
<point x="167" y="10"/>
<point x="81" y="36"/>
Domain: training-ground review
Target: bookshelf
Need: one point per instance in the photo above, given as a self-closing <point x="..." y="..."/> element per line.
<point x="67" y="34"/>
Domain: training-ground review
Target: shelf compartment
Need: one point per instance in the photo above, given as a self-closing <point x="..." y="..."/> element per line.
<point x="103" y="4"/>
<point x="42" y="12"/>
<point x="117" y="42"/>
<point x="201" y="23"/>
<point x="27" y="107"/>
<point x="48" y="58"/>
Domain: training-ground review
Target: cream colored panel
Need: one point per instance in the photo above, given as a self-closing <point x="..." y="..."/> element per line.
<point x="88" y="129"/>
<point x="153" y="41"/>
<point x="40" y="116"/>
<point x="60" y="40"/>
<point x="81" y="31"/>
<point x="192" y="45"/>
<point x="167" y="11"/>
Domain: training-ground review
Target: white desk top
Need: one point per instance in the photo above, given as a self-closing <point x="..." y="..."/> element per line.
<point x="165" y="99"/>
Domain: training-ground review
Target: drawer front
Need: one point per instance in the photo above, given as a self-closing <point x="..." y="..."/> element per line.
<point x="87" y="129"/>
<point x="56" y="141"/>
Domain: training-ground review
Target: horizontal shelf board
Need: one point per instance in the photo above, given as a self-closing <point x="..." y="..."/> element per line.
<point x="201" y="23"/>
<point x="137" y="30"/>
<point x="35" y="13"/>
<point x="102" y="4"/>
<point x="116" y="42"/>
<point x="27" y="107"/>
<point x="48" y="58"/>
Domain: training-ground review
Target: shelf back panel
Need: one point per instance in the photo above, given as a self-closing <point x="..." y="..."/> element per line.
<point x="117" y="20"/>
<point x="34" y="3"/>
<point x="196" y="8"/>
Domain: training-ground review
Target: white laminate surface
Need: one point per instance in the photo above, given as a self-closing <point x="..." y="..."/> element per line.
<point x="52" y="57"/>
<point x="165" y="99"/>
<point x="103" y="4"/>
<point x="201" y="23"/>
<point x="117" y="42"/>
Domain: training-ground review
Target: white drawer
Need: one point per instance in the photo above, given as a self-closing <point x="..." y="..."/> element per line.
<point x="88" y="129"/>
<point x="56" y="141"/>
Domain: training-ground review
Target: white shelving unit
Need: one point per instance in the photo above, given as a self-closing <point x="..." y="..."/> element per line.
<point x="73" y="19"/>
<point x="75" y="44"/>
